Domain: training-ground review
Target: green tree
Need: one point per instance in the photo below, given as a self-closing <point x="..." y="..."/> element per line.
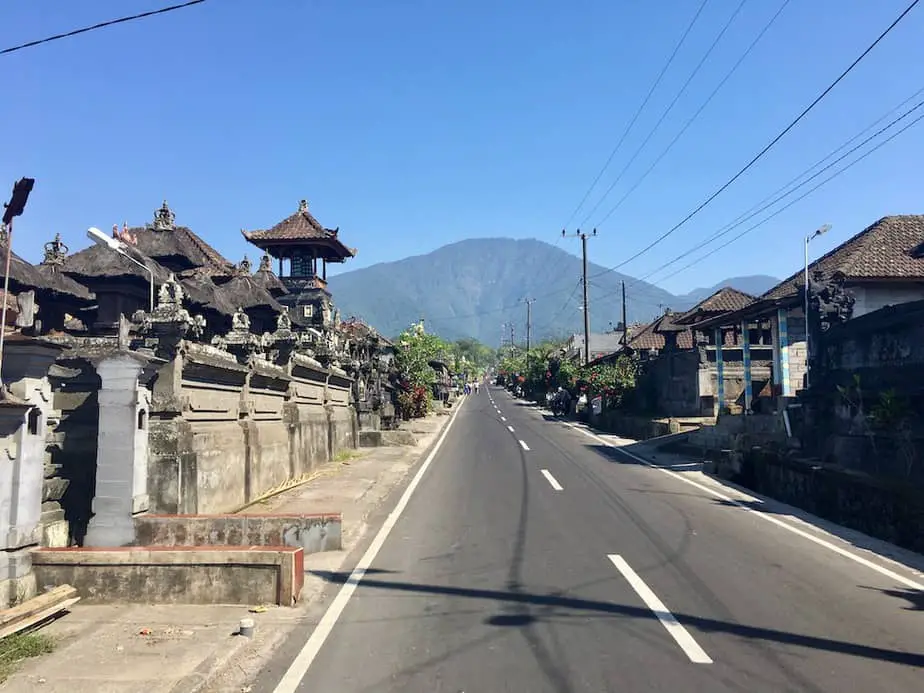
<point x="611" y="381"/>
<point x="416" y="348"/>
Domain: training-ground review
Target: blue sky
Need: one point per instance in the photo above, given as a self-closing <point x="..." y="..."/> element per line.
<point x="414" y="123"/>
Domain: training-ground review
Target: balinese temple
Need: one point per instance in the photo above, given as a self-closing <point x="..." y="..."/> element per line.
<point x="56" y="295"/>
<point x="213" y="286"/>
<point x="303" y="248"/>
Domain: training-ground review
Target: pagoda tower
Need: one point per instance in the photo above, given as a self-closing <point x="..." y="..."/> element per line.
<point x="303" y="248"/>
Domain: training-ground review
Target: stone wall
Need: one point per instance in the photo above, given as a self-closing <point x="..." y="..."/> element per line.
<point x="739" y="432"/>
<point x="24" y="415"/>
<point x="684" y="383"/>
<point x="889" y="511"/>
<point x="223" y="434"/>
<point x="641" y="427"/>
<point x="867" y="398"/>
<point x="795" y="326"/>
<point x="71" y="467"/>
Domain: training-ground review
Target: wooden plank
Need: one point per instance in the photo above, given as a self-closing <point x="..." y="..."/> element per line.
<point x="37" y="618"/>
<point x="38" y="603"/>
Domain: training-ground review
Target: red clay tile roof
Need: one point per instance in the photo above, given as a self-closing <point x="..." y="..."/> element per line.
<point x="722" y="301"/>
<point x="651" y="336"/>
<point x="884" y="250"/>
<point x="646" y="338"/>
<point x="301" y="226"/>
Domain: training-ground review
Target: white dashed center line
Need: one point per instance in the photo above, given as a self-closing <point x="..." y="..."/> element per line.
<point x="680" y="634"/>
<point x="553" y="482"/>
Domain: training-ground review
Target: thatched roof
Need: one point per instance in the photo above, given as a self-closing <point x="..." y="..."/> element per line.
<point x="203" y="293"/>
<point x="175" y="248"/>
<point x="265" y="277"/>
<point x="25" y="276"/>
<point x="245" y="293"/>
<point x="97" y="262"/>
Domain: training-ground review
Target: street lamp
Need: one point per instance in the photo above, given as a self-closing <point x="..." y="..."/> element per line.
<point x="113" y="244"/>
<point x="818" y="232"/>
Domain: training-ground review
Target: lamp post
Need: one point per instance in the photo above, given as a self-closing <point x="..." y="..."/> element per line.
<point x="113" y="244"/>
<point x="808" y="239"/>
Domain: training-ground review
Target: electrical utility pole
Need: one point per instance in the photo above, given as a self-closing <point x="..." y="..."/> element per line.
<point x="584" y="237"/>
<point x="529" y="326"/>
<point x="625" y="326"/>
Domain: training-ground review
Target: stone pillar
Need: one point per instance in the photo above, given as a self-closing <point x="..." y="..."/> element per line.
<point x="26" y="362"/>
<point x="22" y="448"/>
<point x="782" y="334"/>
<point x="746" y="361"/>
<point x="719" y="372"/>
<point x="122" y="451"/>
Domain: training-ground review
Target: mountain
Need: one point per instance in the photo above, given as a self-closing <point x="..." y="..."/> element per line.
<point x="754" y="284"/>
<point x="472" y="288"/>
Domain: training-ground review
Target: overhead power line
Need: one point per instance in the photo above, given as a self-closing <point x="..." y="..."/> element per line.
<point x="811" y="190"/>
<point x="639" y="285"/>
<point x="101" y="25"/>
<point x="666" y="112"/>
<point x="638" y="112"/>
<point x="771" y="144"/>
<point x="768" y="202"/>
<point x="551" y="321"/>
<point x="761" y="206"/>
<point x="692" y="119"/>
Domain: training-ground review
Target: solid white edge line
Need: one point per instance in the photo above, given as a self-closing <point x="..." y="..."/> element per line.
<point x="553" y="482"/>
<point x="524" y="446"/>
<point x="891" y="574"/>
<point x="292" y="679"/>
<point x="680" y="634"/>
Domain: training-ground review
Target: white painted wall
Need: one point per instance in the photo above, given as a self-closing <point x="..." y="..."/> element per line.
<point x="873" y="297"/>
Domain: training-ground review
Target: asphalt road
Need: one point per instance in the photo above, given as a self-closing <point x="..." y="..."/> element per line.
<point x="532" y="557"/>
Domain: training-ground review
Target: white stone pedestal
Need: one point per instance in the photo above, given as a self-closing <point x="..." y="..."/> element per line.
<point x="122" y="451"/>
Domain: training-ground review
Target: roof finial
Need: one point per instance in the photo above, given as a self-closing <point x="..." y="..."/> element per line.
<point x="55" y="251"/>
<point x="164" y="218"/>
<point x="266" y="263"/>
<point x="303" y="205"/>
<point x="244" y="266"/>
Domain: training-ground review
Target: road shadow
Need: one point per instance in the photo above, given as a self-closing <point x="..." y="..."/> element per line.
<point x="617" y="455"/>
<point x="556" y="605"/>
<point x="756" y="505"/>
<point x="915" y="598"/>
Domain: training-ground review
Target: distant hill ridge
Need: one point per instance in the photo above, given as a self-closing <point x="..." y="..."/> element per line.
<point x="464" y="289"/>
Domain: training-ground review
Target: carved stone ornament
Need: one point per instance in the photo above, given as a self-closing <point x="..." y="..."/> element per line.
<point x="55" y="252"/>
<point x="283" y="321"/>
<point x="240" y="341"/>
<point x="164" y="219"/>
<point x="170" y="322"/>
<point x="240" y="321"/>
<point x="303" y="205"/>
<point x="171" y="294"/>
<point x="244" y="267"/>
<point x="830" y="301"/>
<point x="197" y="327"/>
<point x="266" y="263"/>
